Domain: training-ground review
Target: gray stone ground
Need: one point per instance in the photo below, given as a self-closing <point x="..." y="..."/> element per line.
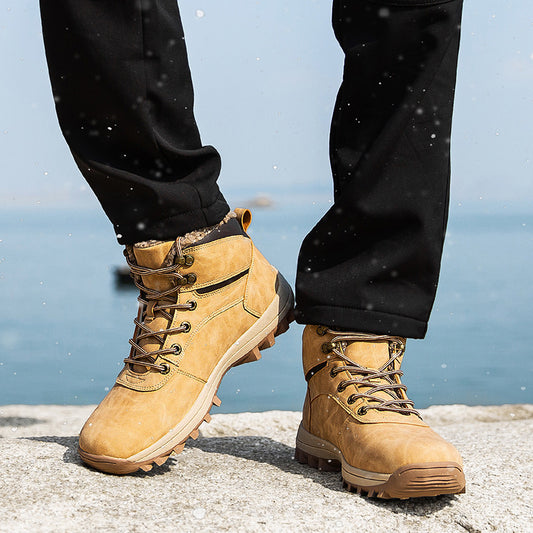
<point x="240" y="475"/>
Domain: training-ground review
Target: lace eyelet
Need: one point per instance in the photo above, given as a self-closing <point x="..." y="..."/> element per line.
<point x="177" y="348"/>
<point x="193" y="305"/>
<point x="187" y="326"/>
<point x="362" y="410"/>
<point x="351" y="399"/>
<point x="186" y="260"/>
<point x="328" y="346"/>
<point x="341" y="388"/>
<point x="333" y="373"/>
<point x="166" y="368"/>
<point x="321" y="330"/>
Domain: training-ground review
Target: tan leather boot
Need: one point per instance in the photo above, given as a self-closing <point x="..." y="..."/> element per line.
<point x="357" y="418"/>
<point x="204" y="309"/>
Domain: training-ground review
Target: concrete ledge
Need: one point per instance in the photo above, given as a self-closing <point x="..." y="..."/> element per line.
<point x="240" y="476"/>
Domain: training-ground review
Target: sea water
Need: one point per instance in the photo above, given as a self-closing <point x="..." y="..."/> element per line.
<point x="64" y="325"/>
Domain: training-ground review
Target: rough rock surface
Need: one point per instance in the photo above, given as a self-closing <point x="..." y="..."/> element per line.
<point x="240" y="475"/>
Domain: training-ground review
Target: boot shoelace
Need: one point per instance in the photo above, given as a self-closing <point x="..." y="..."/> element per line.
<point x="161" y="302"/>
<point x="386" y="373"/>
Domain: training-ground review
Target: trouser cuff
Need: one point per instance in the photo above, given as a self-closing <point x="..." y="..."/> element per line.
<point x="167" y="229"/>
<point x="362" y="320"/>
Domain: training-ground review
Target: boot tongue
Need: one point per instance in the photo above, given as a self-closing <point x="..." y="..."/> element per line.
<point x="368" y="354"/>
<point x="372" y="355"/>
<point x="154" y="256"/>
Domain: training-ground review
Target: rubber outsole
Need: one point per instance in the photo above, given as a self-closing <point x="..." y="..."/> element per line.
<point x="114" y="465"/>
<point x="417" y="480"/>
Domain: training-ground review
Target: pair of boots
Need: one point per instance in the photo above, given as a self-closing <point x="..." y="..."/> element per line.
<point x="214" y="304"/>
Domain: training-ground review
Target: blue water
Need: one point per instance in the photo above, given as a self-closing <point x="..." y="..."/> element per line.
<point x="64" y="327"/>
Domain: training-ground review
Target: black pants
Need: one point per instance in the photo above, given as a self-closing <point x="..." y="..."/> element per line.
<point x="124" y="99"/>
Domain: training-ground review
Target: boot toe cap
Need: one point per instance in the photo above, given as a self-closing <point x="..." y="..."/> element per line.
<point x="109" y="439"/>
<point x="120" y="426"/>
<point x="386" y="449"/>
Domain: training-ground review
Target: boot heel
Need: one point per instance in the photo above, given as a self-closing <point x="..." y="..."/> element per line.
<point x="324" y="465"/>
<point x="283" y="326"/>
<point x="300" y="456"/>
<point x="268" y="341"/>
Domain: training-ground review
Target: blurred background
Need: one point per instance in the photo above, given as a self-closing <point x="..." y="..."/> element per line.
<point x="64" y="325"/>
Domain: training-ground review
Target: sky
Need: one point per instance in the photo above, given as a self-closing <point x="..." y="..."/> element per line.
<point x="266" y="73"/>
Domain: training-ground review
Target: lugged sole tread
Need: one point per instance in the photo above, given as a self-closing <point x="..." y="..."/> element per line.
<point x="418" y="480"/>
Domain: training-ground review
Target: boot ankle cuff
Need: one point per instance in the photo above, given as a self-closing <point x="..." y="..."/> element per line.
<point x="185" y="240"/>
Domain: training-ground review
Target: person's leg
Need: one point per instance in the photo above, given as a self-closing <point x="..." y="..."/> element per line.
<point x="124" y="99"/>
<point x="209" y="299"/>
<point x="368" y="271"/>
<point x="372" y="262"/>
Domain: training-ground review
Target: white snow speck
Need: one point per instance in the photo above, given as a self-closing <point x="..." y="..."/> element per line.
<point x="199" y="513"/>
